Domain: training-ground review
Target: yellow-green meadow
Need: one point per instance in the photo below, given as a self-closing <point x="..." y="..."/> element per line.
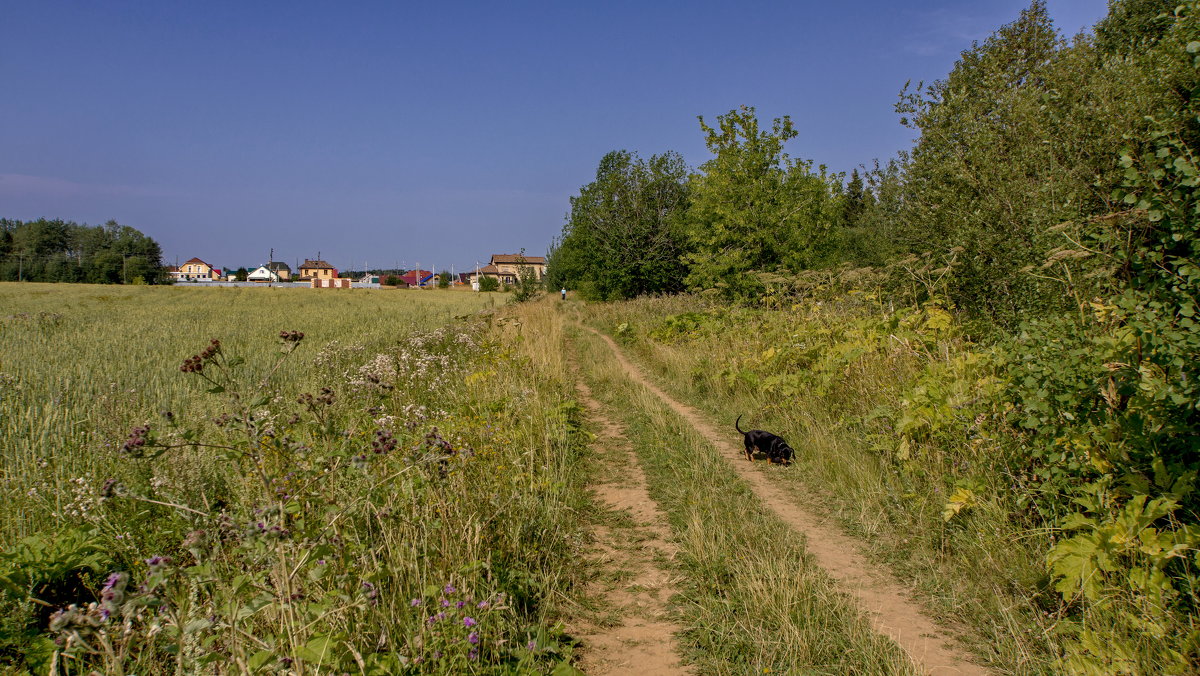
<point x="366" y="480"/>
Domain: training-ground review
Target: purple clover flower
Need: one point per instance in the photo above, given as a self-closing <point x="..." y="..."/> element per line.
<point x="469" y="621"/>
<point x="449" y="589"/>
<point x="416" y="602"/>
<point x="473" y="638"/>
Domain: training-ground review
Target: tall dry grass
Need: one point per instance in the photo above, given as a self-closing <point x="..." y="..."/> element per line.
<point x="395" y="492"/>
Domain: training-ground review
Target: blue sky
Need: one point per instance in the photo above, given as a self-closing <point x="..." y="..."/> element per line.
<point x="394" y="133"/>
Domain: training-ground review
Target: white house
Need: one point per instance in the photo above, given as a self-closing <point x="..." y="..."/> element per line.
<point x="262" y="274"/>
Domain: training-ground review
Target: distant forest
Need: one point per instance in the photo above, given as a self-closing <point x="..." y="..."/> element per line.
<point x="64" y="251"/>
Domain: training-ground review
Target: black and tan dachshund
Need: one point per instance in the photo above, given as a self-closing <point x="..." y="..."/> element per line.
<point x="772" y="445"/>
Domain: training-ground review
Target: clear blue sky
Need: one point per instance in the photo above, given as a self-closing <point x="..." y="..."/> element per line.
<point x="439" y="133"/>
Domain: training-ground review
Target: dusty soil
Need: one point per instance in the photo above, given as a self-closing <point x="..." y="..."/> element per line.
<point x="887" y="603"/>
<point x="636" y="635"/>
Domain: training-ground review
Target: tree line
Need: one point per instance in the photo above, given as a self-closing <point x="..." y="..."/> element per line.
<point x="64" y="251"/>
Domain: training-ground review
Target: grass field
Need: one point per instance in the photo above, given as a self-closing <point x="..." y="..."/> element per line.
<point x="392" y="492"/>
<point x="404" y="488"/>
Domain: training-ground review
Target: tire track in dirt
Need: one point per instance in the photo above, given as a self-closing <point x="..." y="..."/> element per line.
<point x="640" y="638"/>
<point x="886" y="603"/>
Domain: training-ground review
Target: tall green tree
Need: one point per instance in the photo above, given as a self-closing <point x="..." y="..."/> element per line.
<point x="621" y="239"/>
<point x="755" y="208"/>
<point x="857" y="199"/>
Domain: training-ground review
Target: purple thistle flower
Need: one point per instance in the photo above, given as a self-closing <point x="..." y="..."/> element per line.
<point x="449" y="589"/>
<point x="473" y="637"/>
<point x="416" y="602"/>
<point x="469" y="621"/>
<point x="460" y="604"/>
<point x="445" y="603"/>
<point x="474" y="654"/>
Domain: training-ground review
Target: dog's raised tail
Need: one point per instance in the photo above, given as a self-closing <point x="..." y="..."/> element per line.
<point x="735" y="425"/>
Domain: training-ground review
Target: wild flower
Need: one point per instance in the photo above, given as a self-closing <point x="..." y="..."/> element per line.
<point x="111" y="488"/>
<point x="473" y="638"/>
<point x="384" y="442"/>
<point x="196" y="362"/>
<point x="83" y="500"/>
<point x="112" y="594"/>
<point x="370" y="592"/>
<point x="469" y="621"/>
<point x="138" y="438"/>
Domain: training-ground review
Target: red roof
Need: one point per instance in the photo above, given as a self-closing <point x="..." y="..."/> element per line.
<point x="410" y="278"/>
<point x="196" y="260"/>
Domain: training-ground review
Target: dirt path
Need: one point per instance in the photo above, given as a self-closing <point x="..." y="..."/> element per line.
<point x="892" y="613"/>
<point x="635" y="636"/>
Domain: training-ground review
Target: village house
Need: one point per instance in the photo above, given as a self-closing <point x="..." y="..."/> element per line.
<point x="274" y="271"/>
<point x="417" y="279"/>
<point x="281" y="270"/>
<point x="506" y="268"/>
<point x="194" y="270"/>
<point x="316" y="269"/>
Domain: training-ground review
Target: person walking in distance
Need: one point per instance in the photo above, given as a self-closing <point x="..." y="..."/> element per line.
<point x="564" y="293"/>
